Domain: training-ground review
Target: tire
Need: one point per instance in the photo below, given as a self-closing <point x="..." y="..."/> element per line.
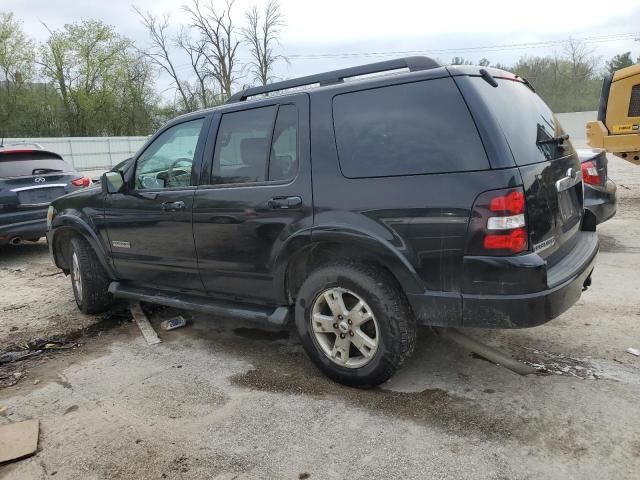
<point x="391" y="317"/>
<point x="89" y="280"/>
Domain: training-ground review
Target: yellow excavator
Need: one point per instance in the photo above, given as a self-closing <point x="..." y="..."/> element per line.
<point x="617" y="129"/>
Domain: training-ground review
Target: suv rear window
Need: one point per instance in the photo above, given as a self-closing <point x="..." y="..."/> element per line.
<point x="524" y="118"/>
<point x="414" y="128"/>
<point x="29" y="164"/>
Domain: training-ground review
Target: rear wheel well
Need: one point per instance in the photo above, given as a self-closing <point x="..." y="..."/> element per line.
<point x="312" y="258"/>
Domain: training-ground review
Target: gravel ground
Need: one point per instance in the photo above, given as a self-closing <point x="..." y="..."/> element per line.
<point x="220" y="399"/>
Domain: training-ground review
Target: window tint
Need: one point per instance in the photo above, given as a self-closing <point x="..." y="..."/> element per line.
<point x="524" y="118"/>
<point x="242" y="146"/>
<point x="283" y="161"/>
<point x="415" y="128"/>
<point x="167" y="162"/>
<point x="29" y="164"/>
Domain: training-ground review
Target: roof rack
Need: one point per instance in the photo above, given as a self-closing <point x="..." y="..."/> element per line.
<point x="337" y="76"/>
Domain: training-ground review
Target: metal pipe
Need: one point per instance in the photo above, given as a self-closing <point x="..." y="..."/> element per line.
<point x="15" y="241"/>
<point x="485" y="351"/>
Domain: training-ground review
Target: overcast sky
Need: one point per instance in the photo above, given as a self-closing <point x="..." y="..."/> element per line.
<point x="339" y="27"/>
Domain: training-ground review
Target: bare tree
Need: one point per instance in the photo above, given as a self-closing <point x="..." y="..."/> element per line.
<point x="159" y="51"/>
<point x="261" y="34"/>
<point x="203" y="91"/>
<point x="220" y="41"/>
<point x="582" y="59"/>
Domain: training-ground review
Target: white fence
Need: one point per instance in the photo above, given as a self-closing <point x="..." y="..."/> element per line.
<point x="88" y="154"/>
<point x="575" y="124"/>
<point x="98" y="154"/>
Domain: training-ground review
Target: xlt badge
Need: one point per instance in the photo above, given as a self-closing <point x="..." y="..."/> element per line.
<point x="549" y="242"/>
<point x="120" y="244"/>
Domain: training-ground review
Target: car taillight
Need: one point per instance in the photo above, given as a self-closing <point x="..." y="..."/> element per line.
<point x="498" y="224"/>
<point x="590" y="173"/>
<point x="81" y="182"/>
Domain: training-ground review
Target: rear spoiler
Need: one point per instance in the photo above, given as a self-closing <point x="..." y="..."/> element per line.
<point x="27" y="154"/>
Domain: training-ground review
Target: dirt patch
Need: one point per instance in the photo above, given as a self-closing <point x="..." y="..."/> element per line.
<point x="42" y="349"/>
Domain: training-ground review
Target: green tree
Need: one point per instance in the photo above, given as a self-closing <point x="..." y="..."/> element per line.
<point x="622" y="60"/>
<point x="105" y="86"/>
<point x="16" y="68"/>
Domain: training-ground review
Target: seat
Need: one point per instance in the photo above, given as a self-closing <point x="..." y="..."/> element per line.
<point x="253" y="152"/>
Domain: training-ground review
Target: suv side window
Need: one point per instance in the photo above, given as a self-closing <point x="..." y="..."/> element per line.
<point x="408" y="129"/>
<point x="251" y="148"/>
<point x="242" y="146"/>
<point x="283" y="161"/>
<point x="167" y="161"/>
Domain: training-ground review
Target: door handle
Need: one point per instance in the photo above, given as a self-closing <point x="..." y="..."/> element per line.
<point x="169" y="206"/>
<point x="284" y="203"/>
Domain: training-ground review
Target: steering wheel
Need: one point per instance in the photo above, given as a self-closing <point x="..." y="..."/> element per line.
<point x="171" y="177"/>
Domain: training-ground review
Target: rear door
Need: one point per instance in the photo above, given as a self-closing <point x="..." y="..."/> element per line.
<point x="546" y="159"/>
<point x="149" y="226"/>
<point x="257" y="196"/>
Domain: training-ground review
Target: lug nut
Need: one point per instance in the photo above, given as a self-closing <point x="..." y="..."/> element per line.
<point x="339" y="317"/>
<point x="342" y="335"/>
<point x="335" y="325"/>
<point x="349" y="321"/>
<point x="351" y="333"/>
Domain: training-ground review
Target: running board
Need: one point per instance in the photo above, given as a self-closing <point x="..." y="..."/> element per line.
<point x="277" y="316"/>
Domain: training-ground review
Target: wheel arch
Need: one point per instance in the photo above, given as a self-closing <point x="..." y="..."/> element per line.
<point x="331" y="245"/>
<point x="67" y="227"/>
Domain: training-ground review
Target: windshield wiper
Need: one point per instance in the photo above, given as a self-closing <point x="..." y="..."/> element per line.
<point x="40" y="171"/>
<point x="559" y="139"/>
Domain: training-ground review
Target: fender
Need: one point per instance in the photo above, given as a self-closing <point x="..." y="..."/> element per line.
<point x="64" y="222"/>
<point x="366" y="243"/>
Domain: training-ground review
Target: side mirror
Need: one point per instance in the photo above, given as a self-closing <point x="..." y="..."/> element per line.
<point x="113" y="182"/>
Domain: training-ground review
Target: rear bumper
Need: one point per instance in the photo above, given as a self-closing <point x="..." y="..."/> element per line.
<point x="565" y="282"/>
<point x="601" y="201"/>
<point x="26" y="225"/>
<point x="511" y="292"/>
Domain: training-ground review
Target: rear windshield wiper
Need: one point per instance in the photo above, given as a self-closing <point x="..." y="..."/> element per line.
<point x="559" y="139"/>
<point x="40" y="171"/>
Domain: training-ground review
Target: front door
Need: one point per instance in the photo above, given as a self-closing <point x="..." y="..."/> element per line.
<point x="149" y="226"/>
<point x="258" y="196"/>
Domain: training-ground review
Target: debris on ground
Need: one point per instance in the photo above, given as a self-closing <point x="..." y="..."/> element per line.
<point x="558" y="364"/>
<point x="634" y="351"/>
<point x="18" y="440"/>
<point x="9" y="357"/>
<point x="173" y="323"/>
<point x="145" y="327"/>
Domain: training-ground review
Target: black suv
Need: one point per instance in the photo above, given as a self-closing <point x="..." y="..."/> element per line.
<point x="30" y="178"/>
<point x="361" y="206"/>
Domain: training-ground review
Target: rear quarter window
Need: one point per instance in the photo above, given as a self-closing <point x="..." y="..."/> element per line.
<point x="30" y="164"/>
<point x="415" y="128"/>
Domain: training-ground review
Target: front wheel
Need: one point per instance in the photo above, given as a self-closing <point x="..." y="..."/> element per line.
<point x="355" y="323"/>
<point x="88" y="278"/>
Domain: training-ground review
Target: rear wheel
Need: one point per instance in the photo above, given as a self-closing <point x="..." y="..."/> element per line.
<point x="88" y="278"/>
<point x="355" y="323"/>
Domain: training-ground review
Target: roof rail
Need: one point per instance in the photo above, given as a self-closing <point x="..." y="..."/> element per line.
<point x="338" y="76"/>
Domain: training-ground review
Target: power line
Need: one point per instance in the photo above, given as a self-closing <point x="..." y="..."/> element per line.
<point x="485" y="48"/>
<point x="591" y="39"/>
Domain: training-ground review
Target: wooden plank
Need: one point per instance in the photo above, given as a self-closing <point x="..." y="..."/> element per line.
<point x="18" y="440"/>
<point x="145" y="327"/>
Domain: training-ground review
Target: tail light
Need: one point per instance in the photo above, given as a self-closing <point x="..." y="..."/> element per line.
<point x="590" y="173"/>
<point x="498" y="224"/>
<point x="81" y="182"/>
